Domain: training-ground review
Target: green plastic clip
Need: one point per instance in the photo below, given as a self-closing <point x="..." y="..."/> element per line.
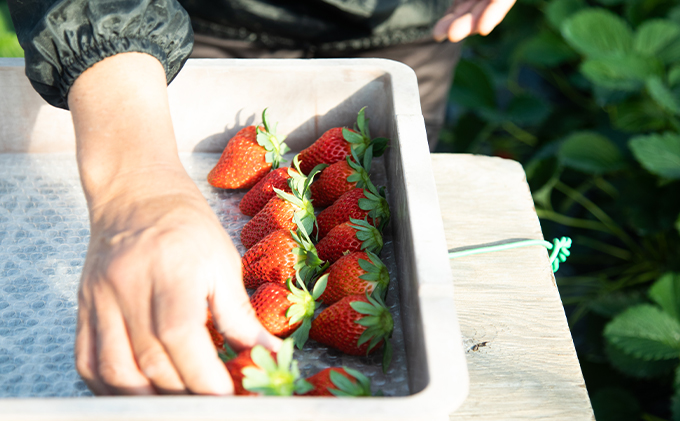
<point x="559" y="246"/>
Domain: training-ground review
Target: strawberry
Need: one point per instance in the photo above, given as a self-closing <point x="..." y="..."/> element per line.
<point x="337" y="143"/>
<point x="357" y="203"/>
<point x="286" y="310"/>
<point x="224" y="351"/>
<point x="257" y="371"/>
<point x="349" y="237"/>
<point x="356" y="273"/>
<point x="216" y="336"/>
<point x="278" y="256"/>
<point x="255" y="199"/>
<point x="248" y="157"/>
<point x="341" y="177"/>
<point x="282" y="211"/>
<point x="356" y="325"/>
<point x="336" y="381"/>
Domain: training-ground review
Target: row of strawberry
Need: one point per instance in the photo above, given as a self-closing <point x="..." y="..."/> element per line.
<point x="280" y="250"/>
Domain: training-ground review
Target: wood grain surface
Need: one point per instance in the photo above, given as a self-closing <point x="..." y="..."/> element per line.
<point x="519" y="350"/>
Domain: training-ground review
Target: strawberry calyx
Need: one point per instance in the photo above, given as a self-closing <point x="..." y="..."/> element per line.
<point x="376" y="274"/>
<point x="379" y="326"/>
<point x="300" y="195"/>
<point x="360" y="138"/>
<point x="369" y="235"/>
<point x="304" y="305"/>
<point x="226" y="353"/>
<point x="274" y="378"/>
<point x="375" y="202"/>
<point x="273" y="144"/>
<point x="361" y="170"/>
<point x="346" y="387"/>
<point x="308" y="264"/>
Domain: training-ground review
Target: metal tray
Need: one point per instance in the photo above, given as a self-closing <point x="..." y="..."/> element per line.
<point x="210" y="100"/>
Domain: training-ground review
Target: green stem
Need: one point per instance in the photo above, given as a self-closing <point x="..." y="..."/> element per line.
<point x="614" y="251"/>
<point x="599" y="214"/>
<point x="519" y="133"/>
<point x="571" y="222"/>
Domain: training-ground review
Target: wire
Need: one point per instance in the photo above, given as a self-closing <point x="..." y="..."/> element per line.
<point x="560" y="249"/>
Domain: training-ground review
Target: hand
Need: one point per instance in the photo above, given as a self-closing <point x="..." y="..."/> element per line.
<point x="158" y="254"/>
<point x="471" y="17"/>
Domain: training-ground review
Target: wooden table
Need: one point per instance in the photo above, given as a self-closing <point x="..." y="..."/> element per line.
<point x="519" y="349"/>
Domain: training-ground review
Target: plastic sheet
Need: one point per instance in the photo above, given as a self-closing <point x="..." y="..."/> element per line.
<point x="44" y="233"/>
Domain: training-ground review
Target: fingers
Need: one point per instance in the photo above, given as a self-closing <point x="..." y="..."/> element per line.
<point x="150" y="354"/>
<point x="471" y="17"/>
<point x="236" y="320"/>
<point x="441" y="29"/>
<point x="85" y="352"/>
<point x="179" y="317"/>
<point x="116" y="365"/>
<point x="493" y="15"/>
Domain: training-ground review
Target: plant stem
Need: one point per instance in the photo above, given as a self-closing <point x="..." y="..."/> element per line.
<point x="572" y="222"/>
<point x="599" y="214"/>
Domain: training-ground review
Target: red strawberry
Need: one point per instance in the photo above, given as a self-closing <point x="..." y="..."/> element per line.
<point x="358" y="204"/>
<point x="278" y="256"/>
<point x="263" y="191"/>
<point x="216" y="336"/>
<point x="341" y="177"/>
<point x="248" y="157"/>
<point x="285" y="211"/>
<point x="356" y="273"/>
<point x="336" y="381"/>
<point x="224" y="351"/>
<point x="349" y="237"/>
<point x="356" y="325"/>
<point x="257" y="371"/>
<point x="337" y="143"/>
<point x="286" y="310"/>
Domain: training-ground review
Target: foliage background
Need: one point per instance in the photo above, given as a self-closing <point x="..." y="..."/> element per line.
<point x="586" y="95"/>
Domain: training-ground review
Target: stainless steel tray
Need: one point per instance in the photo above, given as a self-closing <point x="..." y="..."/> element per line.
<point x="211" y="99"/>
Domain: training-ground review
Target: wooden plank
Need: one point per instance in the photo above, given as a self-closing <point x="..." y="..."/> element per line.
<point x="519" y="349"/>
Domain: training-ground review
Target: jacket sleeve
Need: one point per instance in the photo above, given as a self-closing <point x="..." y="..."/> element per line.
<point x="63" y="38"/>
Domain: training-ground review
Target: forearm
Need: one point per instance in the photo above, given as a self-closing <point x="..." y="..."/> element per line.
<point x="124" y="135"/>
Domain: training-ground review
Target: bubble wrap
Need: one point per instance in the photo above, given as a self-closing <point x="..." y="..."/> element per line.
<point x="44" y="232"/>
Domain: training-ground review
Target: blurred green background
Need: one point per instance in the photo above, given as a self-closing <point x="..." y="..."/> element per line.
<point x="586" y="95"/>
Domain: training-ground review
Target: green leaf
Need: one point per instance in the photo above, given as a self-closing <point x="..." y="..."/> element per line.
<point x="610" y="2"/>
<point x="472" y="87"/>
<point x="637" y="367"/>
<point x="637" y="115"/>
<point x="674" y="75"/>
<point x="658" y="153"/>
<point x="662" y="95"/>
<point x="9" y="46"/>
<point x="610" y="304"/>
<point x="655" y="36"/>
<point x="598" y="33"/>
<point x="262" y="358"/>
<point x="528" y="110"/>
<point x="557" y="11"/>
<point x="546" y="50"/>
<point x="615" y="404"/>
<point x="666" y="293"/>
<point x="591" y="152"/>
<point x="675" y="406"/>
<point x="677" y="224"/>
<point x="645" y="332"/>
<point x="627" y="73"/>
